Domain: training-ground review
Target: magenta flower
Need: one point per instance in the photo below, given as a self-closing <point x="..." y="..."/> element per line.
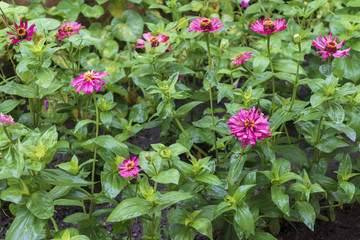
<point x="68" y="29"/>
<point x="22" y="32"/>
<point x="88" y="81"/>
<point x="240" y="58"/>
<point x="330" y="47"/>
<point x="6" y="119"/>
<point x="268" y="27"/>
<point x="154" y="41"/>
<point x="245" y="3"/>
<point x="205" y="25"/>
<point x="129" y="168"/>
<point x="46" y="103"/>
<point x="248" y="126"/>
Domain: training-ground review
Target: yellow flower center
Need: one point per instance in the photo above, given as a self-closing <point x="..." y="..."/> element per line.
<point x="89" y="76"/>
<point x="154" y="42"/>
<point x="130" y="166"/>
<point x="269" y="25"/>
<point x="21" y="32"/>
<point x="205" y="23"/>
<point x="239" y="56"/>
<point x="249" y="123"/>
<point x="68" y="29"/>
<point x="331" y="47"/>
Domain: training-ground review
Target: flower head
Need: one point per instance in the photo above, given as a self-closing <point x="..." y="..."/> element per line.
<point x="268" y="27"/>
<point x="205" y="25"/>
<point x="6" y="119"/>
<point x="245" y="3"/>
<point x="330" y="47"/>
<point x="46" y="103"/>
<point x="88" y="81"/>
<point x="22" y="32"/>
<point x="129" y="168"/>
<point x="154" y="41"/>
<point x="68" y="29"/>
<point x="240" y="58"/>
<point x="248" y="126"/>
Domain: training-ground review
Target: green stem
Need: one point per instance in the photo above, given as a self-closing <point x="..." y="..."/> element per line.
<point x="317" y="151"/>
<point x="273" y="78"/>
<point x="31" y="105"/>
<point x="211" y="99"/>
<point x="247" y="69"/>
<point x="72" y="57"/>
<point x="130" y="231"/>
<point x="8" y="135"/>
<point x="54" y="223"/>
<point x="48" y="233"/>
<point x="231" y="78"/>
<point x="242" y="22"/>
<point x="295" y="84"/>
<point x="136" y="187"/>
<point x="94" y="159"/>
<point x="83" y="206"/>
<point x="287" y="135"/>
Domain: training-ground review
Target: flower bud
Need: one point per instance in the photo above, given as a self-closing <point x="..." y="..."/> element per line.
<point x="305" y="4"/>
<point x="297" y="38"/>
<point x="147" y="156"/>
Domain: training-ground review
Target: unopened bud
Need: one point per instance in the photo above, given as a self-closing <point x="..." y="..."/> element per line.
<point x="147" y="156"/>
<point x="297" y="38"/>
<point x="305" y="4"/>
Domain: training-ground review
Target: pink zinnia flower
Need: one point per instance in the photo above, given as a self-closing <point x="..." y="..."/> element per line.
<point x="248" y="126"/>
<point x="129" y="168"/>
<point x="154" y="41"/>
<point x="268" y="27"/>
<point x="6" y="119"/>
<point x="240" y="58"/>
<point x="68" y="29"/>
<point x="205" y="25"/>
<point x="245" y="3"/>
<point x="330" y="47"/>
<point x="22" y="32"/>
<point x="88" y="81"/>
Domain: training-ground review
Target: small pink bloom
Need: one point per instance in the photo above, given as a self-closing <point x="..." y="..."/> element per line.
<point x="248" y="126"/>
<point x="6" y="119"/>
<point x="245" y="3"/>
<point x="154" y="41"/>
<point x="89" y="80"/>
<point x="330" y="47"/>
<point x="205" y="25"/>
<point x="268" y="27"/>
<point x="22" y="32"/>
<point x="46" y="103"/>
<point x="129" y="168"/>
<point x="240" y="58"/>
<point x="68" y="29"/>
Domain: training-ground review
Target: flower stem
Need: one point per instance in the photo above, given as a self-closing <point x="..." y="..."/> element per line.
<point x="317" y="151"/>
<point x="94" y="159"/>
<point x="54" y="223"/>
<point x="211" y="99"/>
<point x="273" y="78"/>
<point x="8" y="135"/>
<point x="136" y="187"/>
<point x="48" y="233"/>
<point x="295" y="84"/>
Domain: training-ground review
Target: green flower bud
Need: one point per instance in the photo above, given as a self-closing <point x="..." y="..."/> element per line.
<point x="147" y="156"/>
<point x="297" y="38"/>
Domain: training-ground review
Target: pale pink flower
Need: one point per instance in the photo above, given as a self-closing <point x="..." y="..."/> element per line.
<point x="268" y="27"/>
<point x="330" y="47"/>
<point x="249" y="125"/>
<point x="205" y="25"/>
<point x="68" y="29"/>
<point x="22" y="32"/>
<point x="245" y="3"/>
<point x="129" y="168"/>
<point x="240" y="58"/>
<point x="6" y="119"/>
<point x="88" y="81"/>
<point x="154" y="41"/>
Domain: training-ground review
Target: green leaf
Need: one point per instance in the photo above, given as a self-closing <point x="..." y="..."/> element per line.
<point x="8" y="105"/>
<point x="349" y="65"/>
<point x="203" y="226"/>
<point x="75" y="218"/>
<point x="318" y="98"/>
<point x="307" y="213"/>
<point x="139" y="113"/>
<point x="68" y="9"/>
<point x="280" y="198"/>
<point x="40" y="204"/>
<point x="349" y="132"/>
<point x="186" y="108"/>
<point x="14" y="160"/>
<point x="330" y="143"/>
<point x="45" y="23"/>
<point x="21" y="90"/>
<point x="171" y="198"/>
<point x="94" y="229"/>
<point x="95" y="11"/>
<point x="260" y="63"/>
<point x="128" y="209"/>
<point x="336" y="112"/>
<point x="291" y="153"/>
<point x="109" y="142"/>
<point x="241" y="192"/>
<point x="82" y="123"/>
<point x="169" y="176"/>
<point x="236" y="168"/>
<point x="112" y="183"/>
<point x="129" y="28"/>
<point x="25" y="226"/>
<point x="313" y="6"/>
<point x="288" y="66"/>
<point x="244" y="218"/>
<point x="349" y="189"/>
<point x="264" y="236"/>
<point x="60" y="178"/>
<point x="208" y="178"/>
